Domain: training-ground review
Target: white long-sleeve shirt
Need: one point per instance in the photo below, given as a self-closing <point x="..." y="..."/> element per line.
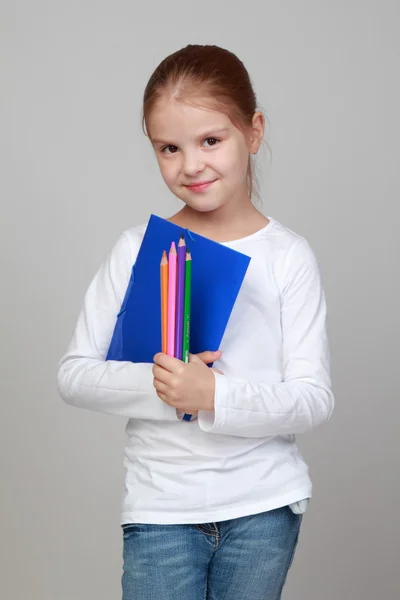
<point x="242" y="458"/>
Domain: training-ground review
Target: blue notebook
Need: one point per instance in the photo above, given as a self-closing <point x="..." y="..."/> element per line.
<point x="217" y="275"/>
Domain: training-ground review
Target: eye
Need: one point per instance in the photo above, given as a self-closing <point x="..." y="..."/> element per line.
<point x="214" y="141"/>
<point x="173" y="148"/>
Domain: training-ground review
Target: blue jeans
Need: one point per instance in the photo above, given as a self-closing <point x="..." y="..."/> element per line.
<point x="241" y="559"/>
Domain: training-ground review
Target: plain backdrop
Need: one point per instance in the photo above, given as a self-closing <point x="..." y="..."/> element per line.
<point x="76" y="170"/>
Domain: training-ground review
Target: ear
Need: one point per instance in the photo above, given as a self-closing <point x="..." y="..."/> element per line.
<point x="257" y="132"/>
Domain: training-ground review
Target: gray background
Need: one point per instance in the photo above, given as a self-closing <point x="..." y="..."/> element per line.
<point x="76" y="171"/>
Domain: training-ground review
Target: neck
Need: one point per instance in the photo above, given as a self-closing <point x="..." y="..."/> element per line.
<point x="233" y="220"/>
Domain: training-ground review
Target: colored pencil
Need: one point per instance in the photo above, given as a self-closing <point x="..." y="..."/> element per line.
<point x="186" y="308"/>
<point x="180" y="297"/>
<point x="172" y="267"/>
<point x="164" y="301"/>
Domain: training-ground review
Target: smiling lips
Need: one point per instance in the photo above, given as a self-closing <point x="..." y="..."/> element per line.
<point x="200" y="186"/>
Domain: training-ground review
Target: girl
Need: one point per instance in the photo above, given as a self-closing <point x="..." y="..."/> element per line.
<point x="212" y="506"/>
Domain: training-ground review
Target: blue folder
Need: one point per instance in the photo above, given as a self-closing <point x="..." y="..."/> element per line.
<point x="217" y="275"/>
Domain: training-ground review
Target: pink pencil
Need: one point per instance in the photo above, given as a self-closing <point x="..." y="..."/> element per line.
<point x="172" y="272"/>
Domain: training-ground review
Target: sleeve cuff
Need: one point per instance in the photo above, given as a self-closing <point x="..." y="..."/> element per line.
<point x="215" y="421"/>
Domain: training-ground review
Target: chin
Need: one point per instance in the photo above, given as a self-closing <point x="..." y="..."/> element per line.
<point x="203" y="203"/>
<point x="204" y="207"/>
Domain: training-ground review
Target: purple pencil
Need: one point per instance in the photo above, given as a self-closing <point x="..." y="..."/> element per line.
<point x="180" y="297"/>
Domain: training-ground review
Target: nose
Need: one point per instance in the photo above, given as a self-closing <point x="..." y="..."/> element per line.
<point x="192" y="163"/>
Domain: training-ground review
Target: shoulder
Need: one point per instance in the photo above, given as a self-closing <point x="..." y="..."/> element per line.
<point x="129" y="241"/>
<point x="284" y="244"/>
<point x="292" y="253"/>
<point x="135" y="234"/>
<point x="282" y="237"/>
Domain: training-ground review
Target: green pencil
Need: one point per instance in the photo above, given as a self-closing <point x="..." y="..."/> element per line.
<point x="186" y="307"/>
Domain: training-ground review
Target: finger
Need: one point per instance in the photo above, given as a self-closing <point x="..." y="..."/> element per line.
<point x="195" y="359"/>
<point x="163" y="397"/>
<point x="160" y="386"/>
<point x="209" y="356"/>
<point x="171" y="364"/>
<point x="162" y="374"/>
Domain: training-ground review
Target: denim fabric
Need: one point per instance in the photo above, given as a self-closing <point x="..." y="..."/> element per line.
<point x="241" y="559"/>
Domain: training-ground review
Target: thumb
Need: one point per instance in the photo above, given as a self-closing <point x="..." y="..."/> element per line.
<point x="206" y="357"/>
<point x="217" y="371"/>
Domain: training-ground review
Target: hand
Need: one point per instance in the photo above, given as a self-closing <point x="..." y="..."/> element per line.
<point x="187" y="387"/>
<point x="208" y="357"/>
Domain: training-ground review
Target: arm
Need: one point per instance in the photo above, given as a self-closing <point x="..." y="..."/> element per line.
<point x="85" y="378"/>
<point x="303" y="400"/>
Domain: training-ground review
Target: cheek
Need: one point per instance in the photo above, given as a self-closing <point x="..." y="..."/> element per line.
<point x="168" y="169"/>
<point x="233" y="162"/>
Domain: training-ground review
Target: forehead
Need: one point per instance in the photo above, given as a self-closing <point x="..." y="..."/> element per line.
<point x="172" y="118"/>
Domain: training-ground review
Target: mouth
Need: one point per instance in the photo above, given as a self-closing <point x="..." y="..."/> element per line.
<point x="200" y="186"/>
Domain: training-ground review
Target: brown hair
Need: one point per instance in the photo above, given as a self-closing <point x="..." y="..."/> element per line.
<point x="207" y="72"/>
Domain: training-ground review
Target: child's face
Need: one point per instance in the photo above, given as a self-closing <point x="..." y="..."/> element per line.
<point x="194" y="145"/>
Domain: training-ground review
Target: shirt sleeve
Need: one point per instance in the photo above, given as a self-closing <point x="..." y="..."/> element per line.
<point x="303" y="399"/>
<point x="85" y="379"/>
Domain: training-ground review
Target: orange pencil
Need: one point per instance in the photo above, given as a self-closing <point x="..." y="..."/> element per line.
<point x="164" y="301"/>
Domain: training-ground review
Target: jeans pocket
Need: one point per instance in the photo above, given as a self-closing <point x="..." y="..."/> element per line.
<point x="128" y="528"/>
<point x="296" y="541"/>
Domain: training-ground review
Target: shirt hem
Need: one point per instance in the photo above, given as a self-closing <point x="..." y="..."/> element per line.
<point x="214" y="515"/>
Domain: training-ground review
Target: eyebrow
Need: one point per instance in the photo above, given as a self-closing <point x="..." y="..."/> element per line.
<point x="203" y="136"/>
